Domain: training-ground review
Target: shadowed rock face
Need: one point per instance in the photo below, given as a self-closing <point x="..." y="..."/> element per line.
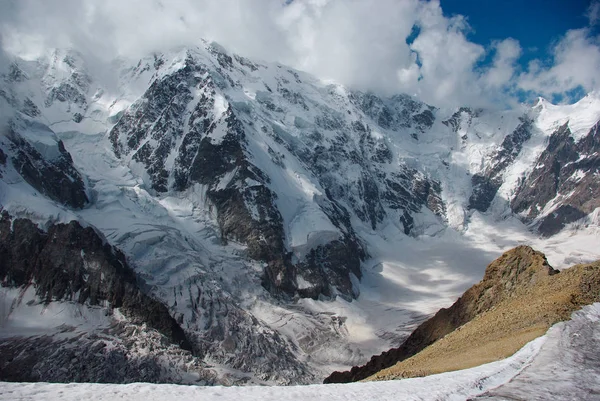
<point x="56" y="176"/>
<point x="72" y="263"/>
<point x="487" y="183"/>
<point x="513" y="271"/>
<point x="2" y="161"/>
<point x="565" y="174"/>
<point x="182" y="136"/>
<point x="234" y="185"/>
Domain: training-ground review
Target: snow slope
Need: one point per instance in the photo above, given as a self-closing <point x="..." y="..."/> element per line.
<point x="537" y="371"/>
<point x="456" y="385"/>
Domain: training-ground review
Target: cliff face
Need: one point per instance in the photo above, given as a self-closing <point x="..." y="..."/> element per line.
<point x="72" y="263"/>
<point x="565" y="174"/>
<point x="41" y="159"/>
<point x="521" y="295"/>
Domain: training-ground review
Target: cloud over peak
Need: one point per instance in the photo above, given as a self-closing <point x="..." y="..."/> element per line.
<point x="359" y="43"/>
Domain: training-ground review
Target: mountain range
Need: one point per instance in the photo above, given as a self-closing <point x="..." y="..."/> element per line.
<point x="199" y="217"/>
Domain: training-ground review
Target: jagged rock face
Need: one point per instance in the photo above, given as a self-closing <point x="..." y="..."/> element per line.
<point x="209" y="150"/>
<point x="527" y="298"/>
<point x="66" y="81"/>
<point x="563" y="186"/>
<point x="72" y="263"/>
<point x="222" y="332"/>
<point x="487" y="183"/>
<point x="31" y="147"/>
<point x="2" y="161"/>
<point x="45" y="165"/>
<point x="455" y="121"/>
<point x="187" y="129"/>
<point x="398" y="112"/>
<point x="514" y="271"/>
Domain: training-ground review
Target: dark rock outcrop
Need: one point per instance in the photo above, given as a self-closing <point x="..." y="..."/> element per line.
<point x="119" y="354"/>
<point x="565" y="175"/>
<point x="72" y="263"/>
<point x="397" y="112"/>
<point x="514" y="270"/>
<point x="2" y="161"/>
<point x="487" y="183"/>
<point x="211" y="149"/>
<point x="463" y="114"/>
<point x="72" y="89"/>
<point x="52" y="175"/>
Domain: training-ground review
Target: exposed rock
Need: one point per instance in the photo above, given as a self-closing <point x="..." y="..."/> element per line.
<point x="121" y="353"/>
<point x="487" y="183"/>
<point x="563" y="186"/>
<point x="528" y="309"/>
<point x="463" y="115"/>
<point x="73" y="87"/>
<point x="52" y="174"/>
<point x="15" y="74"/>
<point x="2" y="161"/>
<point x="516" y="269"/>
<point x="397" y="112"/>
<point x="30" y="108"/>
<point x="213" y="152"/>
<point x="72" y="263"/>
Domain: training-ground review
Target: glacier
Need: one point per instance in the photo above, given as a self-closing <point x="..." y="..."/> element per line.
<point x="544" y="368"/>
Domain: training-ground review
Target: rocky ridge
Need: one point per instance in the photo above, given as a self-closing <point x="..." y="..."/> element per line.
<point x="519" y="298"/>
<point x="73" y="265"/>
<point x="563" y="180"/>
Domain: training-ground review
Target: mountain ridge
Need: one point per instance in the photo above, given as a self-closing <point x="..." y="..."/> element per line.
<point x="278" y="217"/>
<point x="513" y="282"/>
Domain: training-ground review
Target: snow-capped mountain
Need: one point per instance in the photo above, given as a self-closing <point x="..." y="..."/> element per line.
<point x="290" y="226"/>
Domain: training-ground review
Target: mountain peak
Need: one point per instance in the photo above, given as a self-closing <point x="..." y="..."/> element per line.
<point x="517" y="268"/>
<point x="540" y="103"/>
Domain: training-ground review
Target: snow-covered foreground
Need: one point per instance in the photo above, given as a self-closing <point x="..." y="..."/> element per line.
<point x="454" y="385"/>
<point x="562" y="364"/>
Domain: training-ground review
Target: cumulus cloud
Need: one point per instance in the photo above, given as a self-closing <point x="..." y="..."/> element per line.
<point x="575" y="64"/>
<point x="360" y="43"/>
<point x="502" y="70"/>
<point x="351" y="41"/>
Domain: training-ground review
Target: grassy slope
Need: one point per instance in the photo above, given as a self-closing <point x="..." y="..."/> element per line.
<point x="524" y="309"/>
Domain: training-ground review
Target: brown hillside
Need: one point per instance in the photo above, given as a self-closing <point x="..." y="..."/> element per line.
<point x="519" y="298"/>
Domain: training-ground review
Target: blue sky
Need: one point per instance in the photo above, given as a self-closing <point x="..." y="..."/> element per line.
<point x="465" y="52"/>
<point x="537" y="24"/>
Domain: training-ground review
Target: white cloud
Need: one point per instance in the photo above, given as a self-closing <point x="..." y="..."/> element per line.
<point x="447" y="57"/>
<point x="360" y="43"/>
<point x="502" y="70"/>
<point x="355" y="42"/>
<point x="575" y="63"/>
